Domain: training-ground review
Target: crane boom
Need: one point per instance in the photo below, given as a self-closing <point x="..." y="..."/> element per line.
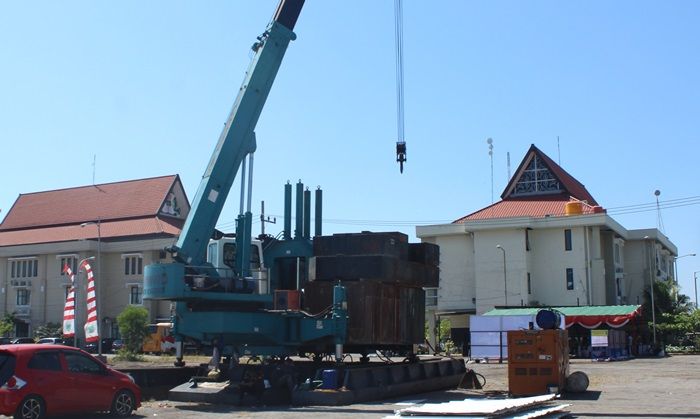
<point x="237" y="138"/>
<point x="217" y="296"/>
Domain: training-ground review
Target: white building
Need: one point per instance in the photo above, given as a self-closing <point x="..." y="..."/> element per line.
<point x="547" y="242"/>
<point x="124" y="226"/>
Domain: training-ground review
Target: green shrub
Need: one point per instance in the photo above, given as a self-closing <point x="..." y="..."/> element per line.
<point x="133" y="327"/>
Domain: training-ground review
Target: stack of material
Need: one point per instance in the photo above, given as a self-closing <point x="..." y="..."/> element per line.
<point x="383" y="275"/>
<point x="380" y="257"/>
<point x="379" y="314"/>
<point x="520" y="408"/>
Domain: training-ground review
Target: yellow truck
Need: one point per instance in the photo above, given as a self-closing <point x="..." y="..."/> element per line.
<point x="160" y="339"/>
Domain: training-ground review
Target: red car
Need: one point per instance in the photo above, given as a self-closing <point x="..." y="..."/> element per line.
<point x="39" y="380"/>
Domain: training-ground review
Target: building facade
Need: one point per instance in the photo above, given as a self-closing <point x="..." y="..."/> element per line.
<point x="546" y="243"/>
<point x="119" y="227"/>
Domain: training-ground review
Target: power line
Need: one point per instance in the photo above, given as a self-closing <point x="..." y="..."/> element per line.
<point x="619" y="210"/>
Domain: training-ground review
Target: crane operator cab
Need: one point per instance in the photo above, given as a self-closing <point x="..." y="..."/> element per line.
<point x="221" y="254"/>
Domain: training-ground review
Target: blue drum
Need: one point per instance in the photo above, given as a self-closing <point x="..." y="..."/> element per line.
<point x="548" y="319"/>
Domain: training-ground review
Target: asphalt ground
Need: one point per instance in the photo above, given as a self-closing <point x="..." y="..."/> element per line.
<point x="639" y="388"/>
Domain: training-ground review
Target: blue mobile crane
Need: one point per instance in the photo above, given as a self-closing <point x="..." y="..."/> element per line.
<point x="225" y="288"/>
<point x="222" y="306"/>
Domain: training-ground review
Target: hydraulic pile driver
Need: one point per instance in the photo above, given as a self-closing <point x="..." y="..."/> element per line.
<point x="221" y="305"/>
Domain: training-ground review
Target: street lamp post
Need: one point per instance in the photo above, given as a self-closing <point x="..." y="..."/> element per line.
<point x="695" y="278"/>
<point x="76" y="289"/>
<point x="651" y="290"/>
<point x="98" y="287"/>
<point x="505" y="278"/>
<point x="675" y="266"/>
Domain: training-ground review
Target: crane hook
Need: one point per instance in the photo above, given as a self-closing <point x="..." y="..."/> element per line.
<point x="401" y="153"/>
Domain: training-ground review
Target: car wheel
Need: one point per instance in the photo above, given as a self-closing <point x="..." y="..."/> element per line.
<point x="32" y="407"/>
<point x="123" y="404"/>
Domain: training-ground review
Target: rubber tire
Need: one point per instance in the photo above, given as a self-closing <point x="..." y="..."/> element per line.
<point x="123" y="405"/>
<point x="34" y="403"/>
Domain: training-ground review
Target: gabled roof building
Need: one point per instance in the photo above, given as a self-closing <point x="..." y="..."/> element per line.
<point x="123" y="225"/>
<point x="549" y="242"/>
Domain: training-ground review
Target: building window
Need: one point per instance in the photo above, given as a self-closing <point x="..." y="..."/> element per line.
<point x="135" y="295"/>
<point x="71" y="261"/>
<point x="616" y="252"/>
<point x="529" y="284"/>
<point x="24" y="268"/>
<point x="567" y="239"/>
<point x="22" y="297"/>
<point x="569" y="279"/>
<point x="527" y="239"/>
<point x="664" y="264"/>
<point x="431" y="297"/>
<point x="133" y="265"/>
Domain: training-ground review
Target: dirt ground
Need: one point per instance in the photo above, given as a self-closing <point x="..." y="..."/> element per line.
<point x="639" y="388"/>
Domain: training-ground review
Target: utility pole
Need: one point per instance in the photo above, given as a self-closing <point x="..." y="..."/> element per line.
<point x="98" y="288"/>
<point x="695" y="277"/>
<point x="264" y="219"/>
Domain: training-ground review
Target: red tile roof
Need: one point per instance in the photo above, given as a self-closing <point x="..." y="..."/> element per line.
<point x="524" y="207"/>
<point x="110" y="201"/>
<point x="572" y="186"/>
<point x="132" y="228"/>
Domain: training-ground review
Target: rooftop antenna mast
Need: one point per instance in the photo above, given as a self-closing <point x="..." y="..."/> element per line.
<point x="558" y="152"/>
<point x="508" y="162"/>
<point x="659" y="220"/>
<point x="489" y="141"/>
<point x="398" y="32"/>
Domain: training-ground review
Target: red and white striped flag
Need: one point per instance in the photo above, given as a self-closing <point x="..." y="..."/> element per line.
<point x="91" y="333"/>
<point x="69" y="308"/>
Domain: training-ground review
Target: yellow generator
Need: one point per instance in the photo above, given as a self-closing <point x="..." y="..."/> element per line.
<point x="538" y="361"/>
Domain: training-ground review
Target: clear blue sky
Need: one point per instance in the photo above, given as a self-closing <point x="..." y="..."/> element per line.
<point x="146" y="87"/>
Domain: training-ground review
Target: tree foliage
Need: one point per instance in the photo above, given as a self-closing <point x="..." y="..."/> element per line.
<point x="443" y="333"/>
<point x="7" y="324"/>
<point x="133" y="327"/>
<point x="677" y="320"/>
<point x="49" y="330"/>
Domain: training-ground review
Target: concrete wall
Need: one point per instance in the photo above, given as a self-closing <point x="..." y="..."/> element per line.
<point x="457" y="281"/>
<point x="636" y="270"/>
<point x="608" y="244"/>
<point x="549" y="264"/>
<point x="490" y="284"/>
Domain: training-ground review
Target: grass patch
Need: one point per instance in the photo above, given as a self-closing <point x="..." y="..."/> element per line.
<point x="126" y="355"/>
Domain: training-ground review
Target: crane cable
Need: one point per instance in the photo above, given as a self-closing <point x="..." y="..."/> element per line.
<point x="398" y="32"/>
